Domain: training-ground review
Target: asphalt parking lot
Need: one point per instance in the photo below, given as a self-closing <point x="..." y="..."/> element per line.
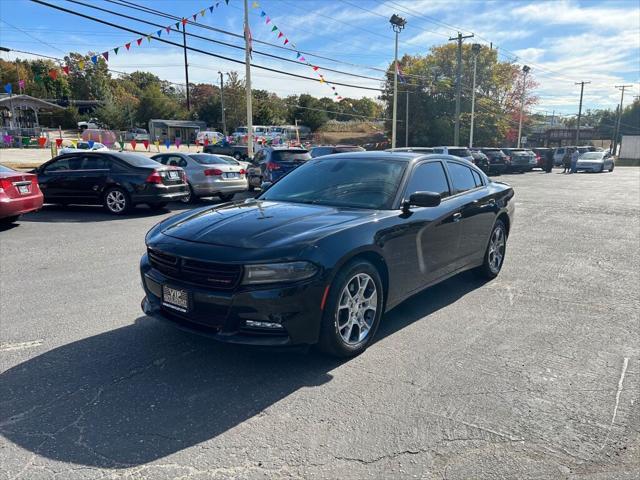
<point x="532" y="375"/>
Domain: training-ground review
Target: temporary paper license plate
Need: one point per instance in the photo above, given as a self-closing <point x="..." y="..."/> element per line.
<point x="24" y="189"/>
<point x="175" y="298"/>
<point x="231" y="175"/>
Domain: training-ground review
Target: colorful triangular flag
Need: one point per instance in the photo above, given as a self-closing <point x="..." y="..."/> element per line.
<point x="148" y="38"/>
<point x="298" y="55"/>
<point x="105" y="55"/>
<point x="195" y="16"/>
<point x="184" y="21"/>
<point x="286" y="40"/>
<point x="280" y="34"/>
<point x="53" y="73"/>
<point x="8" y="88"/>
<point x="127" y="45"/>
<point x="65" y="69"/>
<point x="94" y="59"/>
<point x="302" y="59"/>
<point x="255" y="5"/>
<point x="315" y="68"/>
<point x="139" y="41"/>
<point x="202" y="12"/>
<point x="274" y="28"/>
<point x="159" y="32"/>
<point x="81" y="64"/>
<point x="263" y="13"/>
<point x="211" y="9"/>
<point x="115" y="50"/>
<point x="268" y="20"/>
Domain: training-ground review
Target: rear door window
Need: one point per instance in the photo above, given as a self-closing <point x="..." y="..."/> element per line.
<point x="477" y="178"/>
<point x="95" y="163"/>
<point x="462" y="177"/>
<point x="428" y="177"/>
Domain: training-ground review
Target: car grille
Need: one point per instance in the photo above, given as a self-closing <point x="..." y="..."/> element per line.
<point x="208" y="274"/>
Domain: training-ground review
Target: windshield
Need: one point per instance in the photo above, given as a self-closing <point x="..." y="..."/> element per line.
<point x="290" y="155"/>
<point x="592" y="156"/>
<point x="208" y="159"/>
<point x="5" y="169"/>
<point x="343" y="182"/>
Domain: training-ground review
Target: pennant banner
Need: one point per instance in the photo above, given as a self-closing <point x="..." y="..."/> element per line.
<point x="281" y="35"/>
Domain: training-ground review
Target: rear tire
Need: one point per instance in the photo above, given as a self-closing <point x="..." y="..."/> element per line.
<point x="226" y="197"/>
<point x="611" y="169"/>
<point x="495" y="252"/>
<point x="252" y="188"/>
<point x="191" y="198"/>
<point x="353" y="310"/>
<point x="117" y="201"/>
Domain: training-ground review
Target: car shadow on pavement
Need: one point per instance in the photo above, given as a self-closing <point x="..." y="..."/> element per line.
<point x="136" y="394"/>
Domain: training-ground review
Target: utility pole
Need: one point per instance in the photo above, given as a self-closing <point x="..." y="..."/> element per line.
<point x="397" y="23"/>
<point x="247" y="61"/>
<point x="186" y="64"/>
<point x="617" y="130"/>
<point x="525" y="70"/>
<point x="475" y="49"/>
<point x="456" y="132"/>
<point x="579" y="112"/>
<point x="224" y="121"/>
<point x="406" y="121"/>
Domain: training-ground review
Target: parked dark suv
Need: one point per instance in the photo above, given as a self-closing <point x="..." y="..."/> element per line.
<point x="276" y="162"/>
<point x="116" y="180"/>
<point x="497" y="160"/>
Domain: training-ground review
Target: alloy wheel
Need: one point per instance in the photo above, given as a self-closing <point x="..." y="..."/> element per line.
<point x="357" y="308"/>
<point x="116" y="201"/>
<point x="496" y="249"/>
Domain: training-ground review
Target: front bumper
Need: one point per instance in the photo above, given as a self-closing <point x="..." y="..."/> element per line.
<point x="589" y="168"/>
<point x="223" y="315"/>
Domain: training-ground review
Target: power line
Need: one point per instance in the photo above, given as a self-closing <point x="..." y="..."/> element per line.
<point x="204" y="52"/>
<point x="230" y="45"/>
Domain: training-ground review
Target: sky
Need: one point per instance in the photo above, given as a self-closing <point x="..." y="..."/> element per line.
<point x="563" y="41"/>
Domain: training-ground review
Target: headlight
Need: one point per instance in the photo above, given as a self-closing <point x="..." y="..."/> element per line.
<point x="278" y="272"/>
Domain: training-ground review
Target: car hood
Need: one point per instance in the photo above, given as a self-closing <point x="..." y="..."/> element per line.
<point x="590" y="160"/>
<point x="262" y="224"/>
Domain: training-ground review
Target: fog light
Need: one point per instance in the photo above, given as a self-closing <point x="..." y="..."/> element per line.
<point x="270" y="325"/>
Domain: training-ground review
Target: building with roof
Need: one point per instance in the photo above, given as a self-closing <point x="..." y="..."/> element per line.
<point x="20" y="112"/>
<point x="184" y="130"/>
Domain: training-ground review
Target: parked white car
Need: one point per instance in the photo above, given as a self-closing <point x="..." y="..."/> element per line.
<point x="83" y="147"/>
<point x="595" y="162"/>
<point x="211" y="137"/>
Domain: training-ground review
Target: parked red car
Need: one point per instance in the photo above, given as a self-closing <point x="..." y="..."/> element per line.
<point x="19" y="193"/>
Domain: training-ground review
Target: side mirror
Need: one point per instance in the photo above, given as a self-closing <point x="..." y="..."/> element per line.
<point x="265" y="186"/>
<point x="422" y="199"/>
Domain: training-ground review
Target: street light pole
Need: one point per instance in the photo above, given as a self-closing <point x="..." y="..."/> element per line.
<point x="397" y="23"/>
<point x="406" y="121"/>
<point x="475" y="48"/>
<point x="224" y="121"/>
<point x="525" y="70"/>
<point x="247" y="60"/>
<point x="617" y="130"/>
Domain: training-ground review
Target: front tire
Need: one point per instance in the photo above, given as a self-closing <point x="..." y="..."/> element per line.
<point x="226" y="197"/>
<point x="117" y="201"/>
<point x="611" y="169"/>
<point x="353" y="310"/>
<point x="495" y="252"/>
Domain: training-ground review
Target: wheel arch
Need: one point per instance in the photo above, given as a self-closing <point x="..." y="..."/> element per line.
<point x="505" y="219"/>
<point x="376" y="259"/>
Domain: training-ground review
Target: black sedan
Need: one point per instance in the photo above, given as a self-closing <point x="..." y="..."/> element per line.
<point x="116" y="180"/>
<point x="320" y="255"/>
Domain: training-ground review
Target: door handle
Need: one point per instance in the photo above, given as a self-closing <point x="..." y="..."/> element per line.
<point x="457" y="217"/>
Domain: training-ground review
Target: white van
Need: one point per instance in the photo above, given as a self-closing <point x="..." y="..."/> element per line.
<point x="211" y="137"/>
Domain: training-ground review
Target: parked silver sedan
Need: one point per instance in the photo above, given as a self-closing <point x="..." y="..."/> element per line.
<point x="595" y="162"/>
<point x="207" y="175"/>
